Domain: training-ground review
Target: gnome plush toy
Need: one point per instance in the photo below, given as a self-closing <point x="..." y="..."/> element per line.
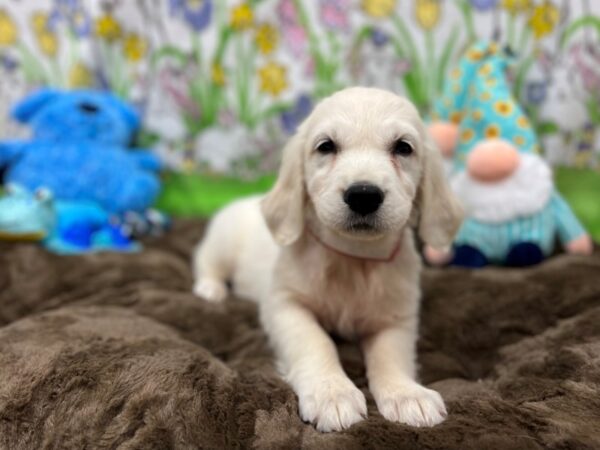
<point x="513" y="212"/>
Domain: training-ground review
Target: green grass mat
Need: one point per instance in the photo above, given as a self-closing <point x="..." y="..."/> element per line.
<point x="187" y="195"/>
<point x="195" y="195"/>
<point x="581" y="188"/>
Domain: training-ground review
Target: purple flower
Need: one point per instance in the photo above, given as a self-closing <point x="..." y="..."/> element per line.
<point x="484" y="5"/>
<point x="197" y="13"/>
<point x="286" y="10"/>
<point x="334" y="14"/>
<point x="535" y="92"/>
<point x="8" y="63"/>
<point x="71" y="12"/>
<point x="379" y="37"/>
<point x="291" y="119"/>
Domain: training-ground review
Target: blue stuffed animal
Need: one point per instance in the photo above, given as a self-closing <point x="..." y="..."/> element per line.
<point x="80" y="150"/>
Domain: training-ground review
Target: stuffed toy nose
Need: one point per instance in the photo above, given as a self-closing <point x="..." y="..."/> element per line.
<point x="445" y="135"/>
<point x="492" y="160"/>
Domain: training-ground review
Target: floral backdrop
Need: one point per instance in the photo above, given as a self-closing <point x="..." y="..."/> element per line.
<point x="221" y="84"/>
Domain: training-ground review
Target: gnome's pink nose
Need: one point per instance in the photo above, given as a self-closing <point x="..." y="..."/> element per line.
<point x="492" y="160"/>
<point x="445" y="135"/>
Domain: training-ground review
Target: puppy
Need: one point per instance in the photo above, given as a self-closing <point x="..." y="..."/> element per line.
<point x="330" y="249"/>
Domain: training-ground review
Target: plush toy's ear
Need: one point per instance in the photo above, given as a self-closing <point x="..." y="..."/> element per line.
<point x="30" y="105"/>
<point x="441" y="214"/>
<point x="283" y="206"/>
<point x="128" y="113"/>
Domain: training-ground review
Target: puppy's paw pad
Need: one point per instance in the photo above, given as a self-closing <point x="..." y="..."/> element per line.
<point x="416" y="406"/>
<point x="210" y="290"/>
<point x="333" y="405"/>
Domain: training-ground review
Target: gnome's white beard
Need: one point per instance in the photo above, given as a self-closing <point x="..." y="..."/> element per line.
<point x="525" y="192"/>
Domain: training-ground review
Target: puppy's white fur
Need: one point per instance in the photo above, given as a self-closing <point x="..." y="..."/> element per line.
<point x="289" y="251"/>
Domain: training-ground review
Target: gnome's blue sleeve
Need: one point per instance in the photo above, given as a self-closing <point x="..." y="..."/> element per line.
<point x="567" y="224"/>
<point x="9" y="151"/>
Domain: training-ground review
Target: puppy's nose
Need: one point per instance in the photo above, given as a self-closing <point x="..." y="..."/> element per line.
<point x="88" y="108"/>
<point x="363" y="198"/>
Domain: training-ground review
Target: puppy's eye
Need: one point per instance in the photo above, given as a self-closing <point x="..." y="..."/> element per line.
<point x="402" y="148"/>
<point x="327" y="147"/>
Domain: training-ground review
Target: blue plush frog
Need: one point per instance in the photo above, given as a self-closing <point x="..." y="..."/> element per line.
<point x="64" y="227"/>
<point x="25" y="216"/>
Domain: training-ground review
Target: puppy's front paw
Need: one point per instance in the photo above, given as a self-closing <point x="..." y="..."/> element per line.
<point x="413" y="405"/>
<point x="210" y="290"/>
<point x="332" y="404"/>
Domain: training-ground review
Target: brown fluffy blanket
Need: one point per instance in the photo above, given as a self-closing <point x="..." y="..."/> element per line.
<point x="113" y="351"/>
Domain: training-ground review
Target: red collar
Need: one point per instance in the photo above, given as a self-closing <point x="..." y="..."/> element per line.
<point x="390" y="258"/>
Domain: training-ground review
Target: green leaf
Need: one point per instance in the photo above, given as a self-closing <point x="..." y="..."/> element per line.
<point x="586" y="21"/>
<point x="170" y="52"/>
<point x="545" y="128"/>
<point x="593" y="107"/>
<point x="445" y="57"/>
<point x="522" y="74"/>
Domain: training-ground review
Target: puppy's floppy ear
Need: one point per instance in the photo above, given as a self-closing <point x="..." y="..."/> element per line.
<point x="440" y="211"/>
<point x="283" y="206"/>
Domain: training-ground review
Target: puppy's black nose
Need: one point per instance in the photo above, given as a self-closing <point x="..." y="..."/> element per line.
<point x="88" y="108"/>
<point x="363" y="198"/>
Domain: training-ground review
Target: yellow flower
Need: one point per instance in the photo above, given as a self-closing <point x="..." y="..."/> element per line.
<point x="48" y="43"/>
<point x="218" y="74"/>
<point x="486" y="69"/>
<point x="515" y="7"/>
<point x="492" y="131"/>
<point x="582" y="159"/>
<point x="543" y="19"/>
<point x="485" y="96"/>
<point x="8" y="29"/>
<point x="108" y="28"/>
<point x="519" y="140"/>
<point x="39" y="21"/>
<point x="378" y="8"/>
<point x="242" y="17"/>
<point x="456" y="117"/>
<point x="80" y="76"/>
<point x="46" y="39"/>
<point x="266" y="38"/>
<point x="272" y="78"/>
<point x="427" y="13"/>
<point x="504" y="108"/>
<point x="477" y="115"/>
<point x="474" y="55"/>
<point x="134" y="47"/>
<point x="467" y="135"/>
<point x="188" y="165"/>
<point x="523" y="122"/>
<point x="456" y="73"/>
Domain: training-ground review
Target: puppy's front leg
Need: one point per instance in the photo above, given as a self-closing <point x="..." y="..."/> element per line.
<point x="326" y="396"/>
<point x="390" y="360"/>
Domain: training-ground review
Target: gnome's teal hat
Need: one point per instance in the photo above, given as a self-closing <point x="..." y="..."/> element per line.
<point x="450" y="106"/>
<point x="477" y="97"/>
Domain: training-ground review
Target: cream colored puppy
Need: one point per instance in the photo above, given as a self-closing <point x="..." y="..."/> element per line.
<point x="330" y="249"/>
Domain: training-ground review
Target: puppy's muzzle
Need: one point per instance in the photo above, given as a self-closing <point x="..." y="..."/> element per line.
<point x="363" y="198"/>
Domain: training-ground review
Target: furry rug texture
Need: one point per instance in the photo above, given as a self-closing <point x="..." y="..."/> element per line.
<point x="113" y="351"/>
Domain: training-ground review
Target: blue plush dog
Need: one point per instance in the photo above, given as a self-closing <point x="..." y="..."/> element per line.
<point x="81" y="150"/>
